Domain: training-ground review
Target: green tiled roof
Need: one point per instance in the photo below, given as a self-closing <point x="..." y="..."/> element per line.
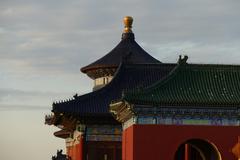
<point x="193" y="85"/>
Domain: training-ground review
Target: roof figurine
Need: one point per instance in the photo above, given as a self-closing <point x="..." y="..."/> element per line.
<point x="182" y="60"/>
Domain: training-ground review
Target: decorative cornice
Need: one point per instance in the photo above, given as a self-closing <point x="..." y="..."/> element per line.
<point x="122" y="111"/>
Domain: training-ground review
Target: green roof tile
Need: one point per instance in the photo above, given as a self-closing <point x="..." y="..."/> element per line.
<point x="191" y="84"/>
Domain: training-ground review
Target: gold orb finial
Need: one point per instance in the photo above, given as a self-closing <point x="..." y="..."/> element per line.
<point x="127" y="24"/>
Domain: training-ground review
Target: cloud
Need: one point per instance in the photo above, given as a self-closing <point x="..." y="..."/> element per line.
<point x="7" y="107"/>
<point x="226" y="53"/>
<point x="43" y="44"/>
<point x="14" y="99"/>
<point x="69" y="35"/>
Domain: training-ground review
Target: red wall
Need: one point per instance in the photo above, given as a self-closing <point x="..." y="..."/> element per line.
<point x="76" y="150"/>
<point x="127" y="144"/>
<point x="160" y="142"/>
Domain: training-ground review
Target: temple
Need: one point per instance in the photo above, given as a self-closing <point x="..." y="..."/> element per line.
<point x="89" y="129"/>
<point x="141" y="108"/>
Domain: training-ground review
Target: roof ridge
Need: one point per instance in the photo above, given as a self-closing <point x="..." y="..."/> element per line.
<point x="214" y="65"/>
<point x="189" y="83"/>
<point x="164" y="80"/>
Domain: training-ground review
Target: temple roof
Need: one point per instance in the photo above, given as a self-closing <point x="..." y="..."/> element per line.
<point x="127" y="77"/>
<point x="128" y="49"/>
<point x="193" y="85"/>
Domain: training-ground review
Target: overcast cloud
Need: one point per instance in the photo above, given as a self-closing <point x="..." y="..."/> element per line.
<point x="43" y="44"/>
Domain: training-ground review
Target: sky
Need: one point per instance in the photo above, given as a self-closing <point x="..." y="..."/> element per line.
<point x="43" y="45"/>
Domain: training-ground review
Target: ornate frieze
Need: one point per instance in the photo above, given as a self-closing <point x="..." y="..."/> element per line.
<point x="228" y="116"/>
<point x="187" y="116"/>
<point x="103" y="133"/>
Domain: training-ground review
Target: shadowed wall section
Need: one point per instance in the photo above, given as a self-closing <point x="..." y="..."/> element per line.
<point x="160" y="142"/>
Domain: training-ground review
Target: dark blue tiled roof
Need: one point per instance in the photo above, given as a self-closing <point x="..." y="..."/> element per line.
<point x="128" y="77"/>
<point x="126" y="49"/>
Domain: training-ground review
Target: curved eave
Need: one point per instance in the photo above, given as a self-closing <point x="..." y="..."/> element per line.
<point x="97" y="102"/>
<point x="127" y="50"/>
<point x="62" y="134"/>
<point x="100" y="71"/>
<point x="87" y="95"/>
<point x="95" y="67"/>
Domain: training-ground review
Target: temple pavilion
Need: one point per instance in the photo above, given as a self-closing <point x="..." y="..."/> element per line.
<point x="89" y="129"/>
<point x="141" y="108"/>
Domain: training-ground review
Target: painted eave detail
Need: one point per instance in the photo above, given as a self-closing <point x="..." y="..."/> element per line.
<point x="122" y="111"/>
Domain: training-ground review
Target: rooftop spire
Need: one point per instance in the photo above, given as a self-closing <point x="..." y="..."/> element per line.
<point x="127" y="24"/>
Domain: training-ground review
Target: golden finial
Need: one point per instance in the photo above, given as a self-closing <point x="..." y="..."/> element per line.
<point x="127" y="24"/>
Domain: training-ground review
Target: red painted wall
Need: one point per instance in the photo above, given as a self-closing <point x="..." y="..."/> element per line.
<point x="127" y="144"/>
<point x="160" y="142"/>
<point x="76" y="150"/>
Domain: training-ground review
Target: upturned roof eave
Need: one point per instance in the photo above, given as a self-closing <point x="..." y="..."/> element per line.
<point x="63" y="106"/>
<point x="120" y="52"/>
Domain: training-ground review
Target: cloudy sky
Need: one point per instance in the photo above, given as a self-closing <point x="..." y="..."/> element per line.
<point x="43" y="44"/>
